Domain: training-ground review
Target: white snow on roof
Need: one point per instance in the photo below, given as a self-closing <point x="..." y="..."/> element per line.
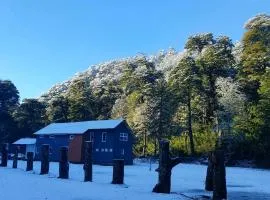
<point x="77" y="127"/>
<point x="26" y="141"/>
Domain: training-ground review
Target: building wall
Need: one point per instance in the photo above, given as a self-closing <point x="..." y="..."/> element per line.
<point x="75" y="149"/>
<point x="55" y="144"/>
<point x="124" y="148"/>
<point x="22" y="148"/>
<point x="30" y="148"/>
<point x="103" y="152"/>
<point x="113" y="148"/>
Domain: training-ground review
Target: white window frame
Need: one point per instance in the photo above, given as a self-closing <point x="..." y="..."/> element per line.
<point x="51" y="136"/>
<point x="91" y="136"/>
<point x="71" y="137"/>
<point x="123" y="137"/>
<point x="104" y="137"/>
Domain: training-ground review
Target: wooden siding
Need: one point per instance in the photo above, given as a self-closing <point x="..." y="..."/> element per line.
<point x="75" y="149"/>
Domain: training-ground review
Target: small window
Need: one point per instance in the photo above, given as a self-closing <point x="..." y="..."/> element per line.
<point x="102" y="150"/>
<point x="51" y="136"/>
<point x="71" y="137"/>
<point x="123" y="137"/>
<point x="103" y="137"/>
<point x="41" y="136"/>
<point x="91" y="136"/>
<point x="110" y="150"/>
<point x="97" y="150"/>
<point x="106" y="150"/>
<point x="123" y="152"/>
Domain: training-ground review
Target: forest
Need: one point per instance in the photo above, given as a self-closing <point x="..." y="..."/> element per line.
<point x="213" y="90"/>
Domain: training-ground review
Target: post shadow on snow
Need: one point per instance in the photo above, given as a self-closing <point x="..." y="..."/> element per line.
<point x="239" y="195"/>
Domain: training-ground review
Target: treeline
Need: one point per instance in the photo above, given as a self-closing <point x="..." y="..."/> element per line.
<point x="217" y="89"/>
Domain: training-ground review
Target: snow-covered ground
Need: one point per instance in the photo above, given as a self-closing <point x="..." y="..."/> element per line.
<point x="187" y="181"/>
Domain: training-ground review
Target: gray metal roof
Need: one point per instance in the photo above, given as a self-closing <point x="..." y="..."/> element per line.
<point x="77" y="127"/>
<point x="25" y="141"/>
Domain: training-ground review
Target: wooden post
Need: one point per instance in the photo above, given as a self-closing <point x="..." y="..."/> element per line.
<point x="166" y="163"/>
<point x="30" y="159"/>
<point x="209" y="174"/>
<point x="219" y="176"/>
<point x="118" y="171"/>
<point x="63" y="163"/>
<point x="44" y="159"/>
<point x="4" y="153"/>
<point x="88" y="162"/>
<point x="15" y="158"/>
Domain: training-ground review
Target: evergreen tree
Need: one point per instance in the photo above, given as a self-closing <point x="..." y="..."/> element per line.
<point x="185" y="81"/>
<point x="30" y="117"/>
<point x="82" y="106"/>
<point x="9" y="96"/>
<point x="57" y="109"/>
<point x="215" y="61"/>
<point x="9" y="100"/>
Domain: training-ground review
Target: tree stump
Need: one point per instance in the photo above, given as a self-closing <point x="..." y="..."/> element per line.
<point x="209" y="174"/>
<point x="63" y="163"/>
<point x="30" y="159"/>
<point x="166" y="163"/>
<point x="15" y="158"/>
<point x="4" y="152"/>
<point x="219" y="176"/>
<point x="118" y="171"/>
<point x="88" y="162"/>
<point x="44" y="159"/>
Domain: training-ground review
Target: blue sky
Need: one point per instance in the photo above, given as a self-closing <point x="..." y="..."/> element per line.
<point x="43" y="42"/>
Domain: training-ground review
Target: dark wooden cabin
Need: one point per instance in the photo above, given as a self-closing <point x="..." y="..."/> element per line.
<point x="112" y="139"/>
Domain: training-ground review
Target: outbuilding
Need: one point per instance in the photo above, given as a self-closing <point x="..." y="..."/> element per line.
<point x="25" y="145"/>
<point x="112" y="139"/>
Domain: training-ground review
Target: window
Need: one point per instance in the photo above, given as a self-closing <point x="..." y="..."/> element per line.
<point x="97" y="150"/>
<point x="91" y="136"/>
<point x="51" y="136"/>
<point x="103" y="137"/>
<point x="123" y="137"/>
<point x="123" y="152"/>
<point x="110" y="150"/>
<point x="102" y="150"/>
<point x="71" y="137"/>
<point x="106" y="150"/>
<point x="41" y="136"/>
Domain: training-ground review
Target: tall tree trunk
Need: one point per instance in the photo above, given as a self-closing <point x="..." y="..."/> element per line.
<point x="155" y="143"/>
<point x="190" y="133"/>
<point x="144" y="144"/>
<point x="212" y="101"/>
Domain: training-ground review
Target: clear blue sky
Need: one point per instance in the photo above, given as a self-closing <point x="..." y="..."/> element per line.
<point x="43" y="42"/>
